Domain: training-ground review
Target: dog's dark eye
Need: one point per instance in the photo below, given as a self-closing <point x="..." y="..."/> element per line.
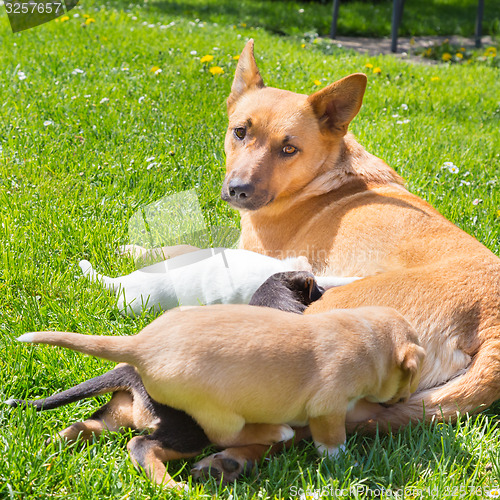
<point x="240" y="133"/>
<point x="289" y="150"/>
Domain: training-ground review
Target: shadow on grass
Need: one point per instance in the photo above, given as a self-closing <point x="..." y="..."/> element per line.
<point x="356" y="18"/>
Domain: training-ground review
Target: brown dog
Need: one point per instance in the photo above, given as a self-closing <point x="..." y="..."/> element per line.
<point x="304" y="186"/>
<point x="247" y="385"/>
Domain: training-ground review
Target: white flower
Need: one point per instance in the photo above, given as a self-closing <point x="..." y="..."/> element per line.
<point x="21" y="75"/>
<point x="76" y="15"/>
<point x="142" y="98"/>
<point x="494" y="493"/>
<point x="151" y="25"/>
<point x="464" y="183"/>
<point x="77" y="71"/>
<point x="151" y="165"/>
<point x="453" y="169"/>
<point x="103" y="100"/>
<point x="477" y="201"/>
<point x="401" y="122"/>
<point x="134" y="18"/>
<point x="301" y="11"/>
<point x="150" y="159"/>
<point x="193" y="52"/>
<point x="395" y="115"/>
<point x="158" y="71"/>
<point x="46" y="123"/>
<point x="448" y="164"/>
<point x="404" y="106"/>
<point x="125" y="69"/>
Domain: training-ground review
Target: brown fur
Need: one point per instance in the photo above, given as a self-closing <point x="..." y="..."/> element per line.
<point x="237" y="384"/>
<point x="349" y="213"/>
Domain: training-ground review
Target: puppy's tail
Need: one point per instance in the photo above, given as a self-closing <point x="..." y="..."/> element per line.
<point x="470" y="392"/>
<point x="90" y="272"/>
<point x="118" y="349"/>
<point x="123" y="377"/>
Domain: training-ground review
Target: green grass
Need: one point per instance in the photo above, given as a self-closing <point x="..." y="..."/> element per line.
<point x="68" y="189"/>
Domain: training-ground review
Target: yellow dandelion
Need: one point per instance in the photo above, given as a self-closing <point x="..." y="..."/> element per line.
<point x="317" y="82"/>
<point x="89" y="20"/>
<point x="369" y="65"/>
<point x="243" y="25"/>
<point x="446" y="57"/>
<point x="85" y="16"/>
<point x="64" y="18"/>
<point x="236" y="58"/>
<point x="303" y="45"/>
<point x="459" y="55"/>
<point x="461" y="49"/>
<point x="428" y="52"/>
<point x="154" y="69"/>
<point x="435" y="79"/>
<point x="377" y="70"/>
<point x="498" y="213"/>
<point x="216" y="70"/>
<point x="56" y="20"/>
<point x="207" y="58"/>
<point x="490" y="52"/>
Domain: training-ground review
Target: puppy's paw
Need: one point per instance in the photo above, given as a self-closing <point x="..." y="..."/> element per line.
<point x="224" y="469"/>
<point x="134" y="251"/>
<point x="287" y="433"/>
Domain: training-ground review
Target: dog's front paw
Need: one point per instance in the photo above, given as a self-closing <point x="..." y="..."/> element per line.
<point x="224" y="469"/>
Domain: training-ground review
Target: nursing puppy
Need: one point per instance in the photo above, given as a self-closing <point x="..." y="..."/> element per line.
<point x="208" y="276"/>
<point x="291" y="292"/>
<point x="237" y="385"/>
<point x="174" y="434"/>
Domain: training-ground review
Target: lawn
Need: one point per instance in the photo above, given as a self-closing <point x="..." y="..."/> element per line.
<point x="103" y="113"/>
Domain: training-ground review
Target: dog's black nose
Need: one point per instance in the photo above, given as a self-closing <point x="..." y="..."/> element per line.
<point x="239" y="190"/>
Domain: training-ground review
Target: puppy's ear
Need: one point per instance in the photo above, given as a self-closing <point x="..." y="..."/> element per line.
<point x="411" y="364"/>
<point x="336" y="105"/>
<point x="309" y="285"/>
<point x="247" y="76"/>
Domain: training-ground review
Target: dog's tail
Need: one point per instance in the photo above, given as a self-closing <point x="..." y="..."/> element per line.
<point x="119" y="349"/>
<point x="123" y="377"/>
<point x="90" y="272"/>
<point x="470" y="392"/>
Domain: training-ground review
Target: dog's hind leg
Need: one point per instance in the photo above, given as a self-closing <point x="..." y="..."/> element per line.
<point x="150" y="453"/>
<point x="227" y="465"/>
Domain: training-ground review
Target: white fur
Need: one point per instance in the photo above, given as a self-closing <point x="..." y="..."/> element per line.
<point x="26" y="337"/>
<point x="329" y="451"/>
<point x="210" y="276"/>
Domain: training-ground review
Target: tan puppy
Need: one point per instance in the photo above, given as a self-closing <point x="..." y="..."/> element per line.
<point x="304" y="186"/>
<point x="247" y="385"/>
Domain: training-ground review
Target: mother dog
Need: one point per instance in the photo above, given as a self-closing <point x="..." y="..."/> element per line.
<point x="304" y="186"/>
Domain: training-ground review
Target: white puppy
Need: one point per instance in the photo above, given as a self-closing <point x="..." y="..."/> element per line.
<point x="210" y="276"/>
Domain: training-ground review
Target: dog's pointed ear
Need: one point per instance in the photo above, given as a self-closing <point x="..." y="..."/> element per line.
<point x="336" y="105"/>
<point x="247" y="76"/>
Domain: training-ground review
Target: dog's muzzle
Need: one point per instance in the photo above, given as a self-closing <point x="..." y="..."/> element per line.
<point x="241" y="194"/>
